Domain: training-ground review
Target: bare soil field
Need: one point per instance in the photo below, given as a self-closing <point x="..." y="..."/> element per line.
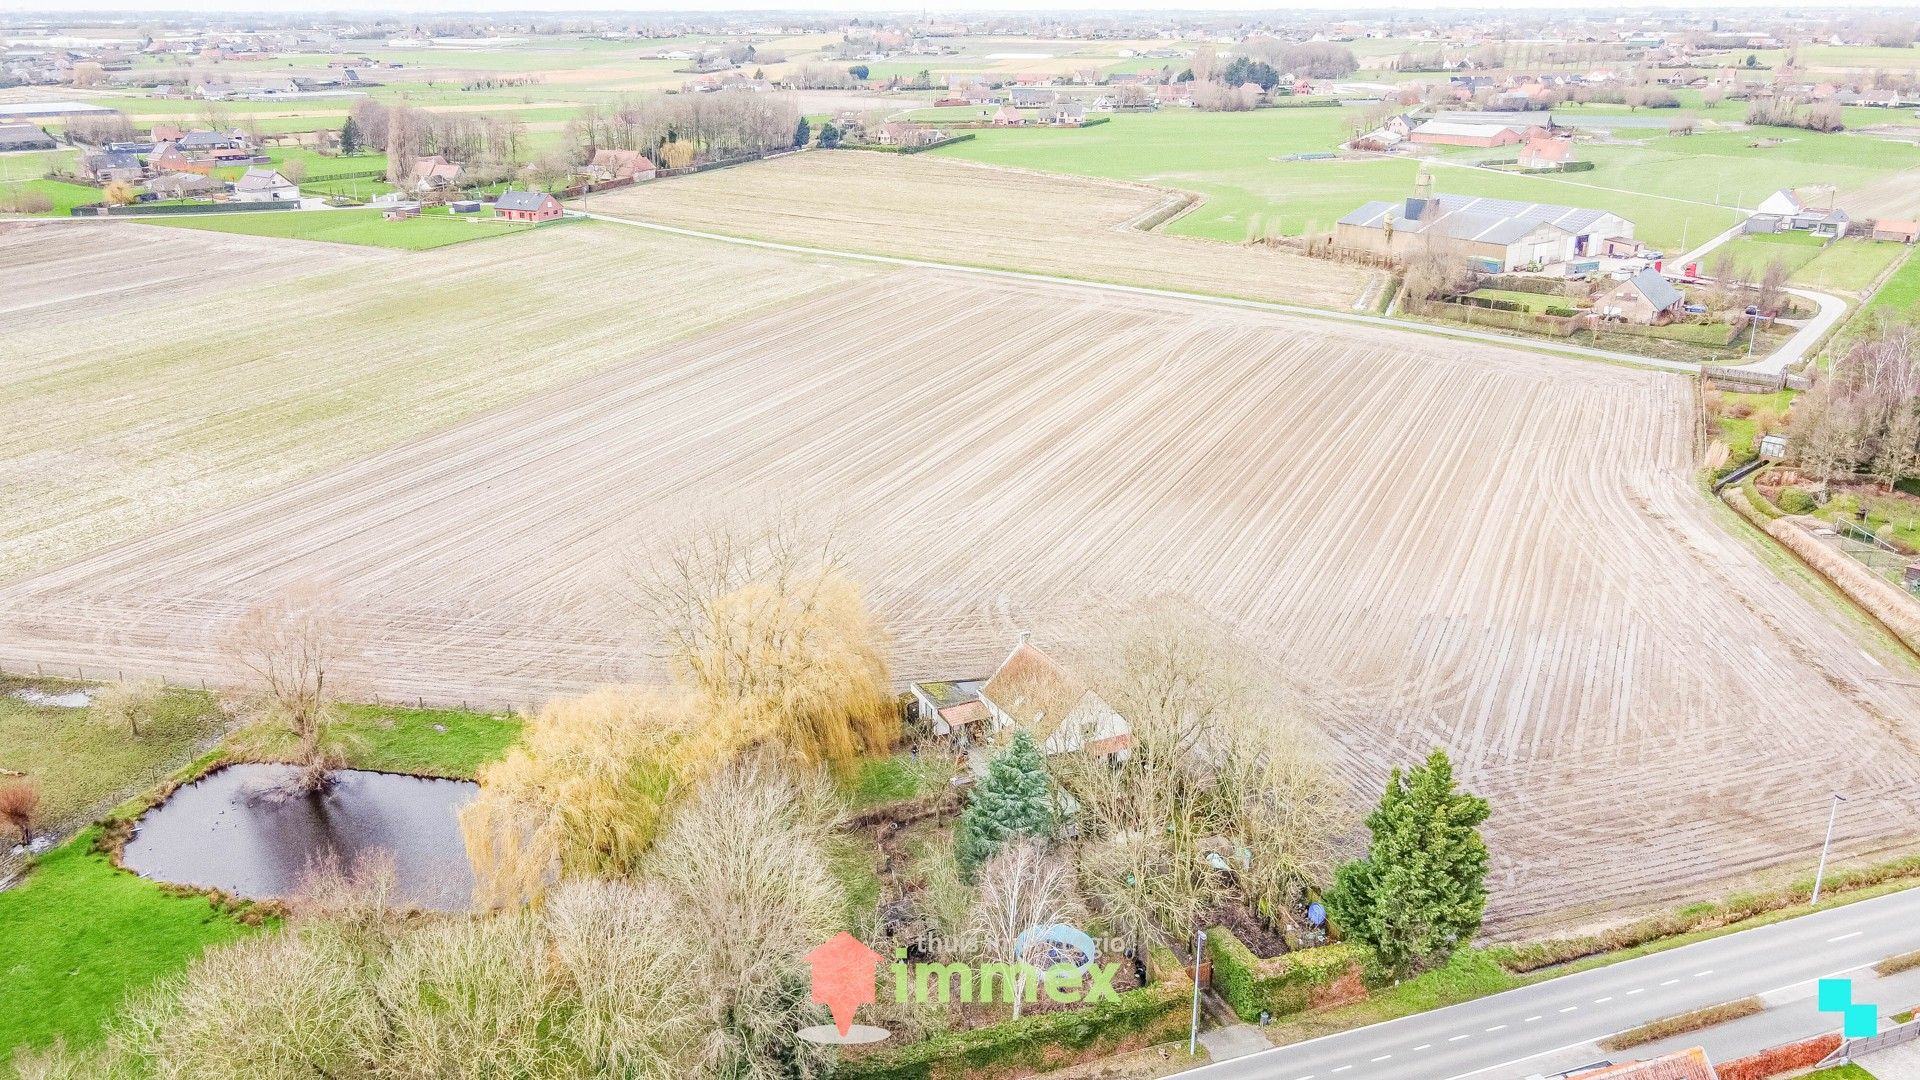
<point x="1492" y="551"/>
<point x="1897" y="196"/>
<point x="950" y="211"/>
<point x="148" y="375"/>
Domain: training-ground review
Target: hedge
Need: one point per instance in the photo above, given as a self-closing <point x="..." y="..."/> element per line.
<point x="1283" y="985"/>
<point x="1035" y="1043"/>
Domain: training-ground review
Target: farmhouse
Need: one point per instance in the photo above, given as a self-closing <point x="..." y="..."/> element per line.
<point x="901" y="133"/>
<point x="1497" y="233"/>
<point x="1008" y="116"/>
<point x="1449" y="133"/>
<point x="1031" y="692"/>
<point x="1545" y="152"/>
<point x="1645" y="298"/>
<point x="526" y="206"/>
<point x="1901" y="230"/>
<point x="435" y="173"/>
<point x="25" y="137"/>
<point x="610" y="164"/>
<point x="265" y="185"/>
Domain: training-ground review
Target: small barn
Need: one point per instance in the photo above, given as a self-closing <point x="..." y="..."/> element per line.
<point x="1645" y="298"/>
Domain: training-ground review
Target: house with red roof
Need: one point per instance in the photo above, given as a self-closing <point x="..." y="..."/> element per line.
<point x="1033" y="692"/>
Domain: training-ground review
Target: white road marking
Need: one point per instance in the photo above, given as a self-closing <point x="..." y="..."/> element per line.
<point x="1844" y="937"/>
<point x="1604" y="1000"/>
<point x="1457" y="1038"/>
<point x="1529" y="1019"/>
<point x="1703" y="974"/>
<point x="1423" y="1046"/>
<point x="1569" y="1008"/>
<point x="1669" y="982"/>
<point x="1636" y="990"/>
<point x="1498" y="1027"/>
<point x="1382" y="1057"/>
<point x="1343" y="1068"/>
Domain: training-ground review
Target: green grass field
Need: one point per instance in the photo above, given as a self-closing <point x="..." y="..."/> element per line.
<point x="81" y="935"/>
<point x="80" y="760"/>
<point x="1752" y="253"/>
<point x="367" y="227"/>
<point x="1900" y="296"/>
<point x="62" y="195"/>
<point x="1849" y="266"/>
<point x="1231" y="158"/>
<point x="426" y="742"/>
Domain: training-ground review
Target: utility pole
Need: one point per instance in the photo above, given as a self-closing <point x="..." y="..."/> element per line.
<point x="1820" y="874"/>
<point x="1193" y="1028"/>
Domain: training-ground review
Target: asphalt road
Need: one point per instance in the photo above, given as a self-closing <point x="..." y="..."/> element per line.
<point x="1507" y="1031"/>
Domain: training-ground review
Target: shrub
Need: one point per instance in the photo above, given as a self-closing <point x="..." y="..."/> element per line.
<point x="1682" y="1023"/>
<point x="19" y="805"/>
<point x="1795" y="500"/>
<point x="1559" y="312"/>
<point x="1286" y="984"/>
<point x="1036" y="1042"/>
<point x="1893" y="965"/>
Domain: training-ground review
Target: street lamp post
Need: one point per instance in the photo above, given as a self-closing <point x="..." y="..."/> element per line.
<point x="1193" y="1029"/>
<point x="1820" y="874"/>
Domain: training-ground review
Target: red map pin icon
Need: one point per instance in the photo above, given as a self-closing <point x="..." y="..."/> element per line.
<point x="843" y="978"/>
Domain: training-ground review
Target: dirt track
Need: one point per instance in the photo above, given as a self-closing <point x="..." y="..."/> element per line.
<point x="1493" y="551"/>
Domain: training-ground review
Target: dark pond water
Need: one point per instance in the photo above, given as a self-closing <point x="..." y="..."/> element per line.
<point x="232" y="830"/>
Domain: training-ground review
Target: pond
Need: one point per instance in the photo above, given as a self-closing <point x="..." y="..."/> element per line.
<point x="236" y="830"/>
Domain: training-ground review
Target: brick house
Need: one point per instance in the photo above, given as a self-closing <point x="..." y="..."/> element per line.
<point x="1032" y="692"/>
<point x="526" y="206"/>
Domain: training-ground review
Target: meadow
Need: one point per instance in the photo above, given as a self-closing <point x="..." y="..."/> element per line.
<point x="1233" y="160"/>
<point x="434" y="228"/>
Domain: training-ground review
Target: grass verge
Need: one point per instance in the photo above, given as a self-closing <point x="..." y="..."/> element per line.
<point x="1893" y="965"/>
<point x="1681" y="1023"/>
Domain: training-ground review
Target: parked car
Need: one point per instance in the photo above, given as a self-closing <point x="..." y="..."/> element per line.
<point x="1696" y="309"/>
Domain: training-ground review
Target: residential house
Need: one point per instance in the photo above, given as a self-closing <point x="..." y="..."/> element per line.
<point x="435" y="173"/>
<point x="952" y="709"/>
<point x="25" y="137"/>
<point x="1033" y="693"/>
<point x="901" y="133"/>
<point x="1067" y="114"/>
<point x="185" y="185"/>
<point x="1498" y="234"/>
<point x="265" y="185"/>
<point x="199" y="142"/>
<point x="1008" y="116"/>
<point x="1902" y="230"/>
<point x="1177" y="93"/>
<point x="610" y="164"/>
<point x="1783" y="211"/>
<point x="1545" y="152"/>
<point x="113" y="166"/>
<point x="526" y="206"/>
<point x="1646" y="298"/>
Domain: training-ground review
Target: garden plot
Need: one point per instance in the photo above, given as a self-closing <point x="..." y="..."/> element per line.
<point x="1492" y="551"/>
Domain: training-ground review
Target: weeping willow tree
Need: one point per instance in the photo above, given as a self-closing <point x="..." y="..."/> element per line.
<point x="584" y="791"/>
<point x="772" y="637"/>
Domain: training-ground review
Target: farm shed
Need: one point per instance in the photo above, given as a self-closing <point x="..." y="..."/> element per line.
<point x="1507" y="235"/>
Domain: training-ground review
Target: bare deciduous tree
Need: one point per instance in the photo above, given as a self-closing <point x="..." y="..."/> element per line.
<point x="288" y="652"/>
<point x="1023" y="887"/>
<point x="20" y="806"/>
<point x="127" y="705"/>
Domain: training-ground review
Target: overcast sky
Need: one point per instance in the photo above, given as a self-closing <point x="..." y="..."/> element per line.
<point x="15" y="7"/>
